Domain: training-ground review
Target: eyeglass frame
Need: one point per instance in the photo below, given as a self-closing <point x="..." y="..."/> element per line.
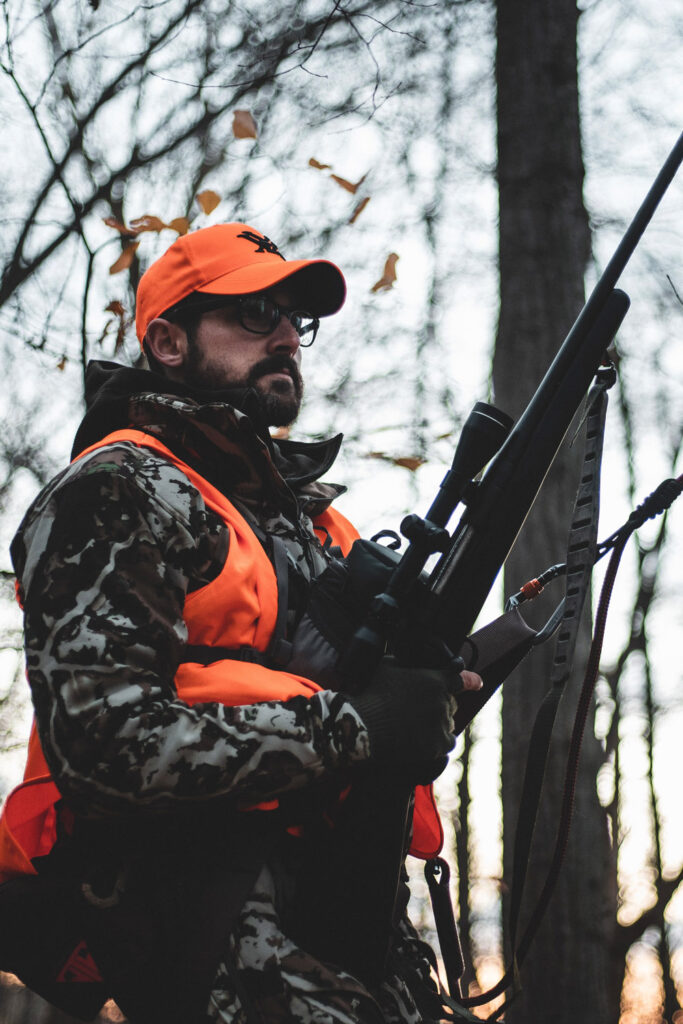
<point x="209" y="304"/>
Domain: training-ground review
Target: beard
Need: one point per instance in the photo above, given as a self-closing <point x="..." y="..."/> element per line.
<point x="279" y="400"/>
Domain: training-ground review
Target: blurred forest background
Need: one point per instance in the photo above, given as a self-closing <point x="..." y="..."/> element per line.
<point x="436" y="151"/>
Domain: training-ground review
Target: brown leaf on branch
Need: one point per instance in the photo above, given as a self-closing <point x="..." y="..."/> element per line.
<point x="358" y="209"/>
<point x="318" y="166"/>
<point x="147" y="223"/>
<point x="208" y="200"/>
<point x="179" y="224"/>
<point x="409" y="462"/>
<point x="116" y="308"/>
<point x="388" y="277"/>
<point x="243" y="125"/>
<point x="125" y="259"/>
<point x="120" y="320"/>
<point x="348" y="185"/>
<point x="61" y="365"/>
<point x="112" y="222"/>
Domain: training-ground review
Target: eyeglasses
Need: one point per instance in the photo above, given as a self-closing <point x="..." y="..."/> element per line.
<point x="257" y="314"/>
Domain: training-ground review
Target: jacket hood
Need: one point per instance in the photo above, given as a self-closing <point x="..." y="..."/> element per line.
<point x="118" y="397"/>
<point x="110" y="386"/>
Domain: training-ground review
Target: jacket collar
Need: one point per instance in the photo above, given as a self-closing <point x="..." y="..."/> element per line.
<point x="220" y="433"/>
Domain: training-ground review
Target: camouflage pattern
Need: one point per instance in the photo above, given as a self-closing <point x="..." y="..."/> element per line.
<point x="266" y="977"/>
<point x="105" y="557"/>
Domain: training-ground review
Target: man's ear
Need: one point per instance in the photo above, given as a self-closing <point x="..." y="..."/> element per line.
<point x="167" y="343"/>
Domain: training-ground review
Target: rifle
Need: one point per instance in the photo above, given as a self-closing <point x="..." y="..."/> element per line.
<point x="412" y="617"/>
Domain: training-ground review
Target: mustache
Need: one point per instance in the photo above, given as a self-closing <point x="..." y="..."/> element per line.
<point x="277" y="363"/>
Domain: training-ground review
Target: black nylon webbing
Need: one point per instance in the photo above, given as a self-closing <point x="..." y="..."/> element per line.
<point x="581" y="549"/>
<point x="582" y="546"/>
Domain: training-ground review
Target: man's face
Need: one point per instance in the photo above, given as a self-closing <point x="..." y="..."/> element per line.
<point x="222" y="354"/>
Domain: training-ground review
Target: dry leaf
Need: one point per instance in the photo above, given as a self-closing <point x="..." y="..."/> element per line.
<point x="410" y="462"/>
<point x="62" y="363"/>
<point x="120" y="320"/>
<point x="115" y="307"/>
<point x="358" y="209"/>
<point x="125" y="259"/>
<point x="318" y="166"/>
<point x="179" y="224"/>
<point x="147" y="223"/>
<point x="208" y="200"/>
<point x="388" y="277"/>
<point x="243" y="125"/>
<point x="112" y="222"/>
<point x="118" y="309"/>
<point x="348" y="185"/>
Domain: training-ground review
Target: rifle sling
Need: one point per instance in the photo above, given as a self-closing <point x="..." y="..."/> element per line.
<point x="581" y="550"/>
<point x="581" y="553"/>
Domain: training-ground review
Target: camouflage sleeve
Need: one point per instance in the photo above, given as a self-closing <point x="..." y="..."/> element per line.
<point x="105" y="559"/>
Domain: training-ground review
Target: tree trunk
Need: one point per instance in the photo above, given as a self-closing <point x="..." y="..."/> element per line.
<point x="544" y="246"/>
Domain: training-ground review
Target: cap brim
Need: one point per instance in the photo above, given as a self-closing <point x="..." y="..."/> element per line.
<point x="319" y="285"/>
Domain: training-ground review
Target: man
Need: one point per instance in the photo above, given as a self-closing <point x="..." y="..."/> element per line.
<point x="186" y="777"/>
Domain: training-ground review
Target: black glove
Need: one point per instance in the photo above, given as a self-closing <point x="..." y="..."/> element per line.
<point x="408" y="713"/>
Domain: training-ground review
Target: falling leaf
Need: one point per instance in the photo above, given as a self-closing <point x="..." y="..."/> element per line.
<point x="388" y="277"/>
<point x="179" y="224"/>
<point x="318" y="166"/>
<point x="119" y="311"/>
<point x="62" y="363"/>
<point x="120" y="320"/>
<point x="115" y="307"/>
<point x="208" y="200"/>
<point x="125" y="259"/>
<point x="147" y="223"/>
<point x="358" y="209"/>
<point x="348" y="185"/>
<point x="410" y="462"/>
<point x="243" y="125"/>
<point x="112" y="222"/>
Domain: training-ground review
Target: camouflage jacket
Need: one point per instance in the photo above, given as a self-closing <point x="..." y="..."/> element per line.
<point x="105" y="557"/>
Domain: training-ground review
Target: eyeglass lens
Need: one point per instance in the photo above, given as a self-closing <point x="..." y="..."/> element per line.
<point x="261" y="316"/>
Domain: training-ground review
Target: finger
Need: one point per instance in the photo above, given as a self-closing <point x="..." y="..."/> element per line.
<point x="471" y="680"/>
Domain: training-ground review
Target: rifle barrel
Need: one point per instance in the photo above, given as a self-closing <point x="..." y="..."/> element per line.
<point x="482" y="540"/>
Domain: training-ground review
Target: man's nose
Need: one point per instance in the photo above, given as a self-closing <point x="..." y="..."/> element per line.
<point x="284" y="338"/>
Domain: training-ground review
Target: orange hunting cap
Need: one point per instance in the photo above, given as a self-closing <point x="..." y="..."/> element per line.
<point x="233" y="259"/>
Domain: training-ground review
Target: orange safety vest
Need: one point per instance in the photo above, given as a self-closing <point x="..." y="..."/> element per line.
<point x="238" y="608"/>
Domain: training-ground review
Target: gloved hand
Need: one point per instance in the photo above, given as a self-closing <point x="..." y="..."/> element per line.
<point x="408" y="713"/>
